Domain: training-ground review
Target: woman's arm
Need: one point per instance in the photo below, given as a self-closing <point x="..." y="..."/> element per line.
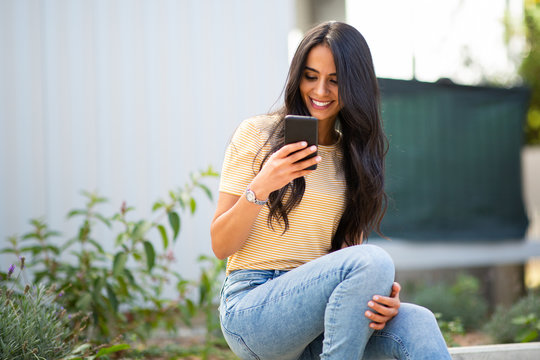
<point x="235" y="216"/>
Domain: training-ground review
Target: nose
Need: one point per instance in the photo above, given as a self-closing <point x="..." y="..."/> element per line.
<point x="321" y="88"/>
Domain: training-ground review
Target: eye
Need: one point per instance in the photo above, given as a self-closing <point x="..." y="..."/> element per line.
<point x="309" y="77"/>
<point x="333" y="81"/>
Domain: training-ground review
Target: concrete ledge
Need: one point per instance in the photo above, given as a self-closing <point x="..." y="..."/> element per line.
<point x="526" y="351"/>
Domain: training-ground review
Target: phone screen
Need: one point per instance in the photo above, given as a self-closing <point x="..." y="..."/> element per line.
<point x="302" y="128"/>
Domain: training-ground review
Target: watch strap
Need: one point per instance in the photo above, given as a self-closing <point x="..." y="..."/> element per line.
<point x="252" y="198"/>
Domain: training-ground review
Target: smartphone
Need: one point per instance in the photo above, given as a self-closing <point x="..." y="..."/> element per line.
<point x="302" y="128"/>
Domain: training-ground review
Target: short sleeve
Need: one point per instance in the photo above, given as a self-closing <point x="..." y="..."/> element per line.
<point x="242" y="159"/>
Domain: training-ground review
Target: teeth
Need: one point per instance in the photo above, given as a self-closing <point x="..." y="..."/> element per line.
<point x="320" y="103"/>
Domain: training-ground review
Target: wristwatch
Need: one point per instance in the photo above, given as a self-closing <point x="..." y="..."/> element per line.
<point x="250" y="196"/>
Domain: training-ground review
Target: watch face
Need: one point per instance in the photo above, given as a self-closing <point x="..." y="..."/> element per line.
<point x="250" y="196"/>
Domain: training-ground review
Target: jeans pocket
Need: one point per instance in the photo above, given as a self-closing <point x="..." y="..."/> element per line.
<point x="236" y="289"/>
<point x="238" y="346"/>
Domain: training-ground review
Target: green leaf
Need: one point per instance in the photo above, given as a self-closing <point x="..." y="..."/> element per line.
<point x="112" y="297"/>
<point x="99" y="283"/>
<point x="30" y="236"/>
<point x="112" y="349"/>
<point x="174" y="220"/>
<point x="206" y="190"/>
<point x="164" y="236"/>
<point x="150" y="255"/>
<point x="140" y="229"/>
<point x="527" y="335"/>
<point x="52" y="233"/>
<point x="130" y="277"/>
<point x="192" y="205"/>
<point x="210" y="172"/>
<point x="7" y="250"/>
<point x="97" y="246"/>
<point x="77" y="212"/>
<point x="157" y="205"/>
<point x="120" y="239"/>
<point x="103" y="219"/>
<point x="119" y="263"/>
<point x="84" y="301"/>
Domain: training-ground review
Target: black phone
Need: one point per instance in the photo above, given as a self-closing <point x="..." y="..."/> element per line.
<point x="302" y="128"/>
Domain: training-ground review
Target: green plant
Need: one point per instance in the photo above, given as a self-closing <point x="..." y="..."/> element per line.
<point x="122" y="289"/>
<point x="530" y="324"/>
<point x="209" y="287"/>
<point x="461" y="300"/>
<point x="33" y="325"/>
<point x="530" y="68"/>
<point x="450" y="329"/>
<point x="519" y="323"/>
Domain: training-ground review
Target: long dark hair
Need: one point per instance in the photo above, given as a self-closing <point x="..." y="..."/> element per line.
<point x="363" y="142"/>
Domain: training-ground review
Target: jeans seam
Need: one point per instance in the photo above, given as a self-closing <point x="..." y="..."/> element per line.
<point x="242" y="340"/>
<point x="281" y="295"/>
<point x="395" y="338"/>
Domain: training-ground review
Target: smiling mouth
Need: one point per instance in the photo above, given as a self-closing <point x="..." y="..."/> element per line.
<point x="320" y="104"/>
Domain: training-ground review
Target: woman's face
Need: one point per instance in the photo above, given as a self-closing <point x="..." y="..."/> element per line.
<point x="318" y="86"/>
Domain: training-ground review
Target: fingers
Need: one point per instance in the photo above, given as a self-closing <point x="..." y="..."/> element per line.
<point x="396" y="288"/>
<point x="379" y="321"/>
<point x="288" y="149"/>
<point x="383" y="308"/>
<point x="385" y="300"/>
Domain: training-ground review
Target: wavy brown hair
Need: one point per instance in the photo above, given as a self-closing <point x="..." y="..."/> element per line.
<point x="363" y="142"/>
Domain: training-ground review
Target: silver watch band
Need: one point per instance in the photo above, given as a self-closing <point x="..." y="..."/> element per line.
<point x="252" y="198"/>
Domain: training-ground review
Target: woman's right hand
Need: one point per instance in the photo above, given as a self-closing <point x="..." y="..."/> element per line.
<point x="282" y="167"/>
<point x="235" y="216"/>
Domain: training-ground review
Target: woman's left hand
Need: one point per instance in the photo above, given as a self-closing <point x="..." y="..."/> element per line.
<point x="384" y="308"/>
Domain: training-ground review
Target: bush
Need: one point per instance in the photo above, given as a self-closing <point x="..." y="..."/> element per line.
<point x="529" y="70"/>
<point x="122" y="290"/>
<point x="34" y="326"/>
<point x="519" y="323"/>
<point x="459" y="302"/>
<point x="450" y="329"/>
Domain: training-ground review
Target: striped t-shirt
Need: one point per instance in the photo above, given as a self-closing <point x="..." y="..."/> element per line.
<point x="312" y="222"/>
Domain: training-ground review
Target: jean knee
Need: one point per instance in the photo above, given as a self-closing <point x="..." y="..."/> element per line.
<point x="422" y="317"/>
<point x="376" y="261"/>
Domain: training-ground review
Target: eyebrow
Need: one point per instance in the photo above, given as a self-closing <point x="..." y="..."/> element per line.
<point x="311" y="69"/>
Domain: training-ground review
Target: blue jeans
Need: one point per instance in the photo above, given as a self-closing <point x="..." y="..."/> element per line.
<point x="316" y="311"/>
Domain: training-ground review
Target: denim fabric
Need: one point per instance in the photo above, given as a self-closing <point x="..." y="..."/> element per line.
<point x="316" y="311"/>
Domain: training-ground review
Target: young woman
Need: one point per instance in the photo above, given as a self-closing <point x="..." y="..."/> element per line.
<point x="300" y="284"/>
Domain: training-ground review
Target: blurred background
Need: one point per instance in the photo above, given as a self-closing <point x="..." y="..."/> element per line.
<point x="127" y="98"/>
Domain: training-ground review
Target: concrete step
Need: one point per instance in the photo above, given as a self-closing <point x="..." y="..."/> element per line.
<point x="526" y="351"/>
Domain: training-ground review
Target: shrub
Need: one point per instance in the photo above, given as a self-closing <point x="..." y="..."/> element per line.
<point x="461" y="301"/>
<point x="519" y="323"/>
<point x="33" y="325"/>
<point x="122" y="290"/>
<point x="450" y="329"/>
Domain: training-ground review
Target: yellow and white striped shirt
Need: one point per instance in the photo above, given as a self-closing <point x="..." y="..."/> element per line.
<point x="312" y="223"/>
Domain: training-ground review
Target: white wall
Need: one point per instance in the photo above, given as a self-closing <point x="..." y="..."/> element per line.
<point x="126" y="98"/>
<point x="459" y="39"/>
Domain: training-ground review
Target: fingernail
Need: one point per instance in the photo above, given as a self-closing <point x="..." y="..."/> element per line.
<point x="370" y="303"/>
<point x="375" y="298"/>
<point x="318" y="158"/>
<point x="304" y="143"/>
<point x="313" y="148"/>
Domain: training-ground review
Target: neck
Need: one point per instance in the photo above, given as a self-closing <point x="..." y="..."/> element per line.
<point x="327" y="132"/>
